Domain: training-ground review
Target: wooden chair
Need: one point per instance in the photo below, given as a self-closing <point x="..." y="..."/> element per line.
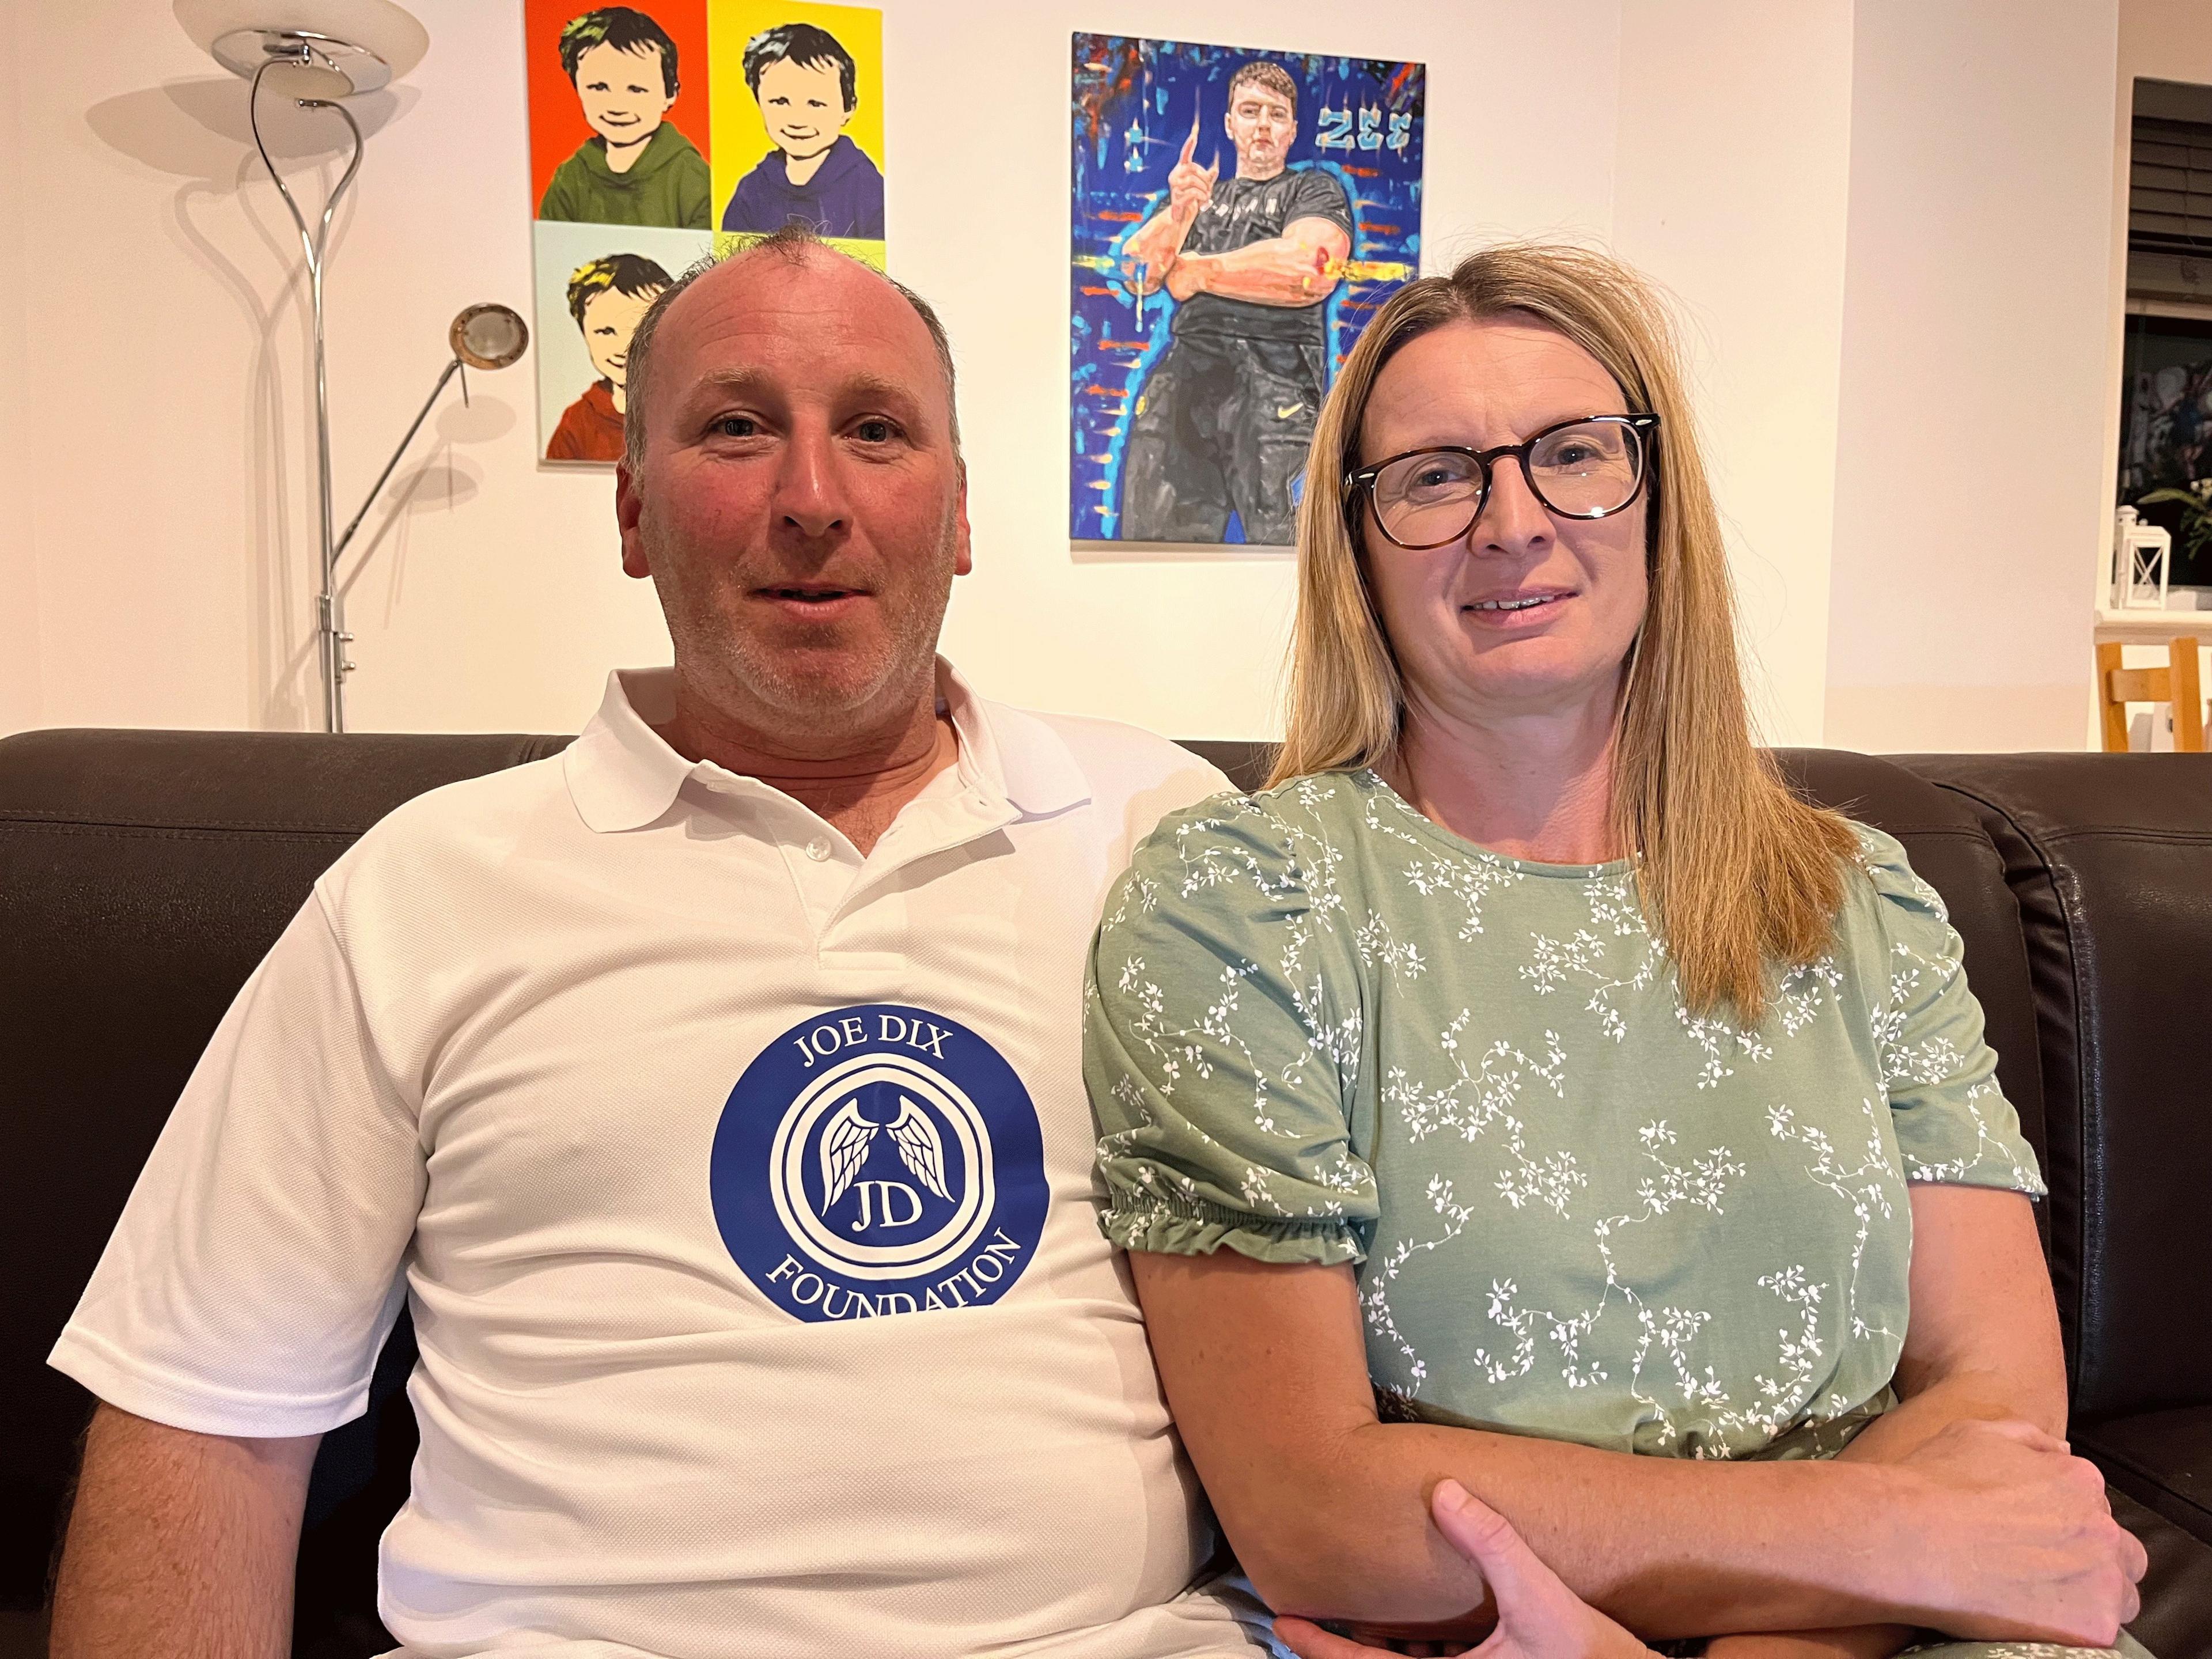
<point x="2177" y="684"/>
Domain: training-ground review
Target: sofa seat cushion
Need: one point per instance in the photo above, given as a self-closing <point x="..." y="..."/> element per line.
<point x="2164" y="1459"/>
<point x="2176" y="1620"/>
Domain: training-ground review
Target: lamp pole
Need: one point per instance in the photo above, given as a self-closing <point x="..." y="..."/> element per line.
<point x="331" y="636"/>
<point x="357" y="46"/>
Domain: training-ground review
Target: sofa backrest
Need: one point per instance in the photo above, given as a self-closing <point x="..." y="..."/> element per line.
<point x="1944" y="840"/>
<point x="2110" y="860"/>
<point x="142" y="874"/>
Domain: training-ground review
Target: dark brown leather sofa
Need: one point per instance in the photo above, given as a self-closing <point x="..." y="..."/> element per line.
<point x="143" y="873"/>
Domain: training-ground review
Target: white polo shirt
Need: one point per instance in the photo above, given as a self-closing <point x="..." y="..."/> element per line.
<point x="740" y="1188"/>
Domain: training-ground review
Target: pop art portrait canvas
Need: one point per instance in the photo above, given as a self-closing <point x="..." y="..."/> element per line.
<point x="798" y="122"/>
<point x="618" y="128"/>
<point x="1237" y="216"/>
<point x="663" y="133"/>
<point x="593" y="283"/>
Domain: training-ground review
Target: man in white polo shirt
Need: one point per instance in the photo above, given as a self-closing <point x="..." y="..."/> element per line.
<point x="711" y="1096"/>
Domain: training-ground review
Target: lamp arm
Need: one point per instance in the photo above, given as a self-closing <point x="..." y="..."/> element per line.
<point x="369" y="500"/>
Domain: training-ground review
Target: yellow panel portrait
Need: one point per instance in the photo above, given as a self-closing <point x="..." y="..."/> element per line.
<point x="795" y="97"/>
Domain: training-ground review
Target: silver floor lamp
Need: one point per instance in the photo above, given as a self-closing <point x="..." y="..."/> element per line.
<point x="318" y="53"/>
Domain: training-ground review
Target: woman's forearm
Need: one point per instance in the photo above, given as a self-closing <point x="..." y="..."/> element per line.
<point x="1984" y="1395"/>
<point x="1968" y="1396"/>
<point x="1668" y="1546"/>
<point x="1967" y="1527"/>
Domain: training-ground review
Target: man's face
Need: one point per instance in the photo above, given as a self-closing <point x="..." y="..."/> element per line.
<point x="610" y="318"/>
<point x="804" y="104"/>
<point x="798" y="507"/>
<point x="1262" y="127"/>
<point x="624" y="93"/>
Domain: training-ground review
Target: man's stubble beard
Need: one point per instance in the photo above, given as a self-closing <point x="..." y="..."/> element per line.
<point x="729" y="670"/>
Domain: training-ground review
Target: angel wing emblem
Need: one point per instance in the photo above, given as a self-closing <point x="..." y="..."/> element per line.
<point x="919" y="1147"/>
<point x="845" y="1146"/>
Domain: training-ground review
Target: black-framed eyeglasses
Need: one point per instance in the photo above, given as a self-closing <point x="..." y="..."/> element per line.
<point x="1590" y="467"/>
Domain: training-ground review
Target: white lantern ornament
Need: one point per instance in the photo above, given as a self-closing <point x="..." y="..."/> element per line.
<point x="2142" y="556"/>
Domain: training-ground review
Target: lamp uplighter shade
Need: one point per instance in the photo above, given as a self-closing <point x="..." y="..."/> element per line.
<point x="489" y="336"/>
<point x="358" y="45"/>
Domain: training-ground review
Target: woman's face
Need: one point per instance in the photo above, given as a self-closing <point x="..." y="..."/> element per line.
<point x="1480" y="384"/>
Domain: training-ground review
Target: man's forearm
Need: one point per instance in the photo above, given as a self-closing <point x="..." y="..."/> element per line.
<point x="1668" y="1546"/>
<point x="1279" y="272"/>
<point x="180" y="1543"/>
<point x="1153" y="248"/>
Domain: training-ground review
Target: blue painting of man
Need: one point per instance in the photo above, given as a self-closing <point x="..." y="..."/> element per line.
<point x="1222" y="421"/>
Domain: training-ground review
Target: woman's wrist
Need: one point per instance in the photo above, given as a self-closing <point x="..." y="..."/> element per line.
<point x="1893" y="1510"/>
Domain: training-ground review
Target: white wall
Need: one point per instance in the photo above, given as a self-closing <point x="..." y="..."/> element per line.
<point x="22" y="704"/>
<point x="1520" y="139"/>
<point x="1729" y="186"/>
<point x="1885" y="219"/>
<point x="1973" y="474"/>
<point x="172" y="469"/>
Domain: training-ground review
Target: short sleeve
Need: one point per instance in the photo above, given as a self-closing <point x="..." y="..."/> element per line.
<point x="1953" y="1124"/>
<point x="1221" y="1049"/>
<point x="255" y="1272"/>
<point x="1320" y="196"/>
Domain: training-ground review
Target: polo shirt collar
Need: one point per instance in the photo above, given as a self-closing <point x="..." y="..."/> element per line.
<point x="623" y="774"/>
<point x="620" y="773"/>
<point x="1008" y="755"/>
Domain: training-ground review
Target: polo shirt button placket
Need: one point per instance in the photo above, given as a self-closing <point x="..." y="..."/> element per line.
<point x="818" y="849"/>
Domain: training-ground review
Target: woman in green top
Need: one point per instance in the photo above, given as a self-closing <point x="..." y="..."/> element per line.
<point x="1529" y="1090"/>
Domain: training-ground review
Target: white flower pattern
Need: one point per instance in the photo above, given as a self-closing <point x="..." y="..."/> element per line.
<point x="1323" y="1027"/>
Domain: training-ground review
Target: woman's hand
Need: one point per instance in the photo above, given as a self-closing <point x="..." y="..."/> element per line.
<point x="2018" y="1541"/>
<point x="1538" y="1617"/>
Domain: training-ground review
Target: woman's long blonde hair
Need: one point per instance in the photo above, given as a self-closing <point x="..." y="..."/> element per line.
<point x="1737" y="874"/>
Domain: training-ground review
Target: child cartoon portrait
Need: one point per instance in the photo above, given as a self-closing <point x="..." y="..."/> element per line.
<point x="636" y="168"/>
<point x="668" y="133"/>
<point x="606" y="296"/>
<point x="806" y="83"/>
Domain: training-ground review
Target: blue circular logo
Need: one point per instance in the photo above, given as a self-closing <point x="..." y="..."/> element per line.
<point x="879" y="1159"/>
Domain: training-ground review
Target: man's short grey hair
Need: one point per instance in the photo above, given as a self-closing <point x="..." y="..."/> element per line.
<point x="793" y="243"/>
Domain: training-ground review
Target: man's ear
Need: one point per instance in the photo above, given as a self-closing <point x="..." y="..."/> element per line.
<point x="966" y="561"/>
<point x="629" y="508"/>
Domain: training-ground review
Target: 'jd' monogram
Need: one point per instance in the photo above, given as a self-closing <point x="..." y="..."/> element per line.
<point x="882" y="1212"/>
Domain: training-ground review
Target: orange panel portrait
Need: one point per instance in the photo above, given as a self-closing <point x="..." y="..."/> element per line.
<point x="619" y="113"/>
